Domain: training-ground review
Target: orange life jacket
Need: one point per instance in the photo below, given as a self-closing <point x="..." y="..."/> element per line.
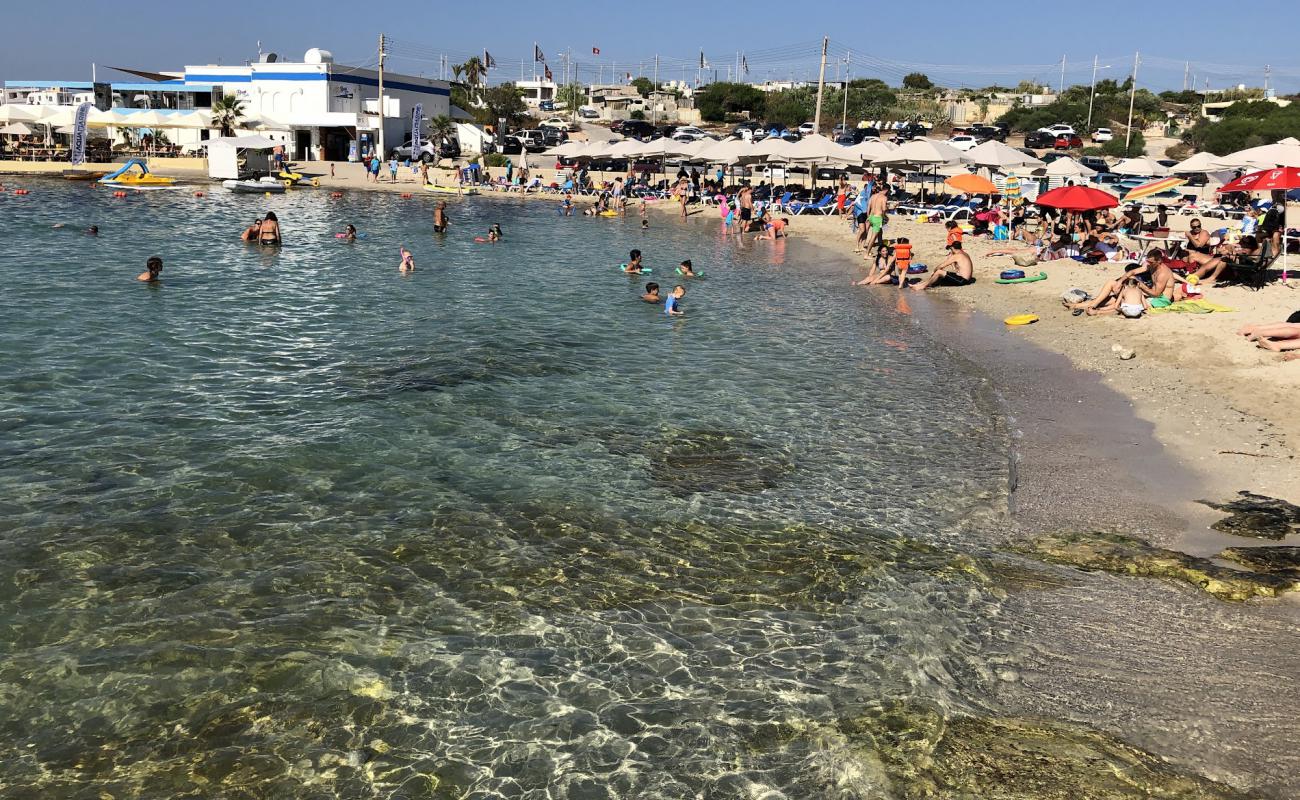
<point x="903" y="255"/>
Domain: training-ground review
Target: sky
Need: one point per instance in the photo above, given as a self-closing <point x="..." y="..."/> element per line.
<point x="970" y="44"/>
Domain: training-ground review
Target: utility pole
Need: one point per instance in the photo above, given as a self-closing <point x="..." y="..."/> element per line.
<point x="1268" y="69"/>
<point x="821" y="86"/>
<point x="415" y="145"/>
<point x="1132" y="95"/>
<point x="844" y="120"/>
<point x="1062" y="89"/>
<point x="654" y="101"/>
<point x="1187" y="67"/>
<point x="1092" y="93"/>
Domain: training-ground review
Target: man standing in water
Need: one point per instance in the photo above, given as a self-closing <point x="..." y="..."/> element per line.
<point x="746" y="199"/>
<point x="440" y="221"/>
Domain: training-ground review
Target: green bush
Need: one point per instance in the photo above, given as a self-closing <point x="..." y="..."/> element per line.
<point x="1115" y="147"/>
<point x="494" y="159"/>
<point x="638" y="114"/>
<point x="717" y="100"/>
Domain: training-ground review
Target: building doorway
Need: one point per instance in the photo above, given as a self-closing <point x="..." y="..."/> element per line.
<point x="302" y="146"/>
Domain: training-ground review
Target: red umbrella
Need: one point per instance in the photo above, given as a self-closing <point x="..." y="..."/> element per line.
<point x="1265" y="180"/>
<point x="1077" y="198"/>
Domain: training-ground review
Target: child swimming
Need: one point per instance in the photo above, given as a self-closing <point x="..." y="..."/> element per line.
<point x="633" y="266"/>
<point x="494" y="233"/>
<point x="673" y="305"/>
<point x="651" y="293"/>
<point x="408" y="262"/>
<point x="152" y="270"/>
<point x="350" y="233"/>
<point x="686" y="270"/>
<point x="645" y="224"/>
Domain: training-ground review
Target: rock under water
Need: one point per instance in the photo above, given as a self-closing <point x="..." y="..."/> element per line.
<point x="923" y="753"/>
<point x="1258" y="516"/>
<point x="704" y="460"/>
<point x="1128" y="555"/>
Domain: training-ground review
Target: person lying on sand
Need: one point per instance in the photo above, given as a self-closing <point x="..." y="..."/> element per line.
<point x="955" y="270"/>
<point x="1275" y="336"/>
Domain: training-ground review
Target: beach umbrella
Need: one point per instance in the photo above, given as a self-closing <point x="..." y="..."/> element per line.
<point x="624" y="148"/>
<point x="1077" y="198"/>
<point x="1281" y="154"/>
<point x="19" y="112"/>
<point x="1265" y="181"/>
<point x="773" y="148"/>
<point x="1197" y="162"/>
<point x="17" y="129"/>
<point x="971" y="184"/>
<point x="727" y="151"/>
<point x="869" y="151"/>
<point x="566" y="150"/>
<point x="1143" y="167"/>
<point x="924" y="152"/>
<point x="1153" y="187"/>
<point x="69" y="130"/>
<point x="818" y="149"/>
<point x="1068" y="168"/>
<point x="996" y="155"/>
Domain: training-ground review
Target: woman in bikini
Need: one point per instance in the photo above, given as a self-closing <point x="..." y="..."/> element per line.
<point x="269" y="233"/>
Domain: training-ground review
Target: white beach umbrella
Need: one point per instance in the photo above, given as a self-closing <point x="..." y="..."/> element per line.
<point x="773" y="148"/>
<point x="594" y="150"/>
<point x="58" y="116"/>
<point x="567" y="150"/>
<point x="727" y="151"/>
<point x="693" y="149"/>
<point x="68" y="130"/>
<point x="924" y="152"/>
<point x="624" y="149"/>
<point x="1144" y="167"/>
<point x="1068" y="168"/>
<point x="872" y="150"/>
<point x="1197" y="162"/>
<point x="19" y="112"/>
<point x="819" y="150"/>
<point x="996" y="155"/>
<point x="1281" y="154"/>
<point x="17" y="129"/>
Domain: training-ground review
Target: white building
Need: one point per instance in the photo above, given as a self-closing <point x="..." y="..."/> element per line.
<point x="316" y="106"/>
<point x="534" y="92"/>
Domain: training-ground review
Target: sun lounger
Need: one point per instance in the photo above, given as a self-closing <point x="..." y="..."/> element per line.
<point x="1252" y="270"/>
<point x="820" y="205"/>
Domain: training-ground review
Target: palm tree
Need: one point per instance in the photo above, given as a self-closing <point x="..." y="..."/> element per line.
<point x="475" y="72"/>
<point x="226" y="113"/>
<point x="441" y="128"/>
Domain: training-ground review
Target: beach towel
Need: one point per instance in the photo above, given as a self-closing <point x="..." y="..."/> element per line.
<point x="1192" y="307"/>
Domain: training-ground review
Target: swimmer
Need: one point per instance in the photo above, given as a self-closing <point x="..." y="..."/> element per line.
<point x="494" y="233"/>
<point x="651" y="293"/>
<point x="93" y="230"/>
<point x="686" y="269"/>
<point x="408" y="262"/>
<point x="566" y="205"/>
<point x="673" y="305"/>
<point x="440" y="220"/>
<point x="645" y="224"/>
<point x="269" y="233"/>
<point x="250" y="233"/>
<point x="350" y="233"/>
<point x="633" y="266"/>
<point x="152" y="269"/>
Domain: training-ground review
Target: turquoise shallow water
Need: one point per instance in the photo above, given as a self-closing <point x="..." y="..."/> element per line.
<point x="292" y="524"/>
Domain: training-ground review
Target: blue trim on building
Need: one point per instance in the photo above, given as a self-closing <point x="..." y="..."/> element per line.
<point x="359" y="80"/>
<point x="261" y="76"/>
<point x="49" y="85"/>
<point x="391" y="84"/>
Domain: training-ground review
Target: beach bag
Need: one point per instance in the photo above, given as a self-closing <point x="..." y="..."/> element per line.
<point x="1000" y="233"/>
<point x="1075" y="296"/>
<point x="1024" y="259"/>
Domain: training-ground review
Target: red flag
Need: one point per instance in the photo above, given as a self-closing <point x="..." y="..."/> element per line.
<point x="548" y="73"/>
<point x="595" y="51"/>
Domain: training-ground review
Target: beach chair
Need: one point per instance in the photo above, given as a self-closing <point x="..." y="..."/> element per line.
<point x="784" y="202"/>
<point x="1251" y="270"/>
<point x="799" y="208"/>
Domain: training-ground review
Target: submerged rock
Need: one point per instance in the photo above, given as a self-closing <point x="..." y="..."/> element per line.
<point x="1127" y="555"/>
<point x="704" y="460"/>
<point x="1258" y="516"/>
<point x="923" y="753"/>
<point x="1279" y="560"/>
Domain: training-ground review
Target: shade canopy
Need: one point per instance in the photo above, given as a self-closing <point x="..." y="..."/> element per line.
<point x="773" y="148"/>
<point x="624" y="149"/>
<point x="971" y="184"/>
<point x="567" y="150"/>
<point x="727" y="151"/>
<point x="818" y="149"/>
<point x="1142" y="167"/>
<point x="1281" y="154"/>
<point x="1265" y="181"/>
<point x="1197" y="162"/>
<point x="1068" y="168"/>
<point x="1153" y="187"/>
<point x="19" y="112"/>
<point x="872" y="150"/>
<point x="996" y="155"/>
<point x="17" y="129"/>
<point x="923" y="152"/>
<point x="1077" y="198"/>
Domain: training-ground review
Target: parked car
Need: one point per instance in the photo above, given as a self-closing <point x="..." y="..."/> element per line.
<point x="807" y="128"/>
<point x="845" y="139"/>
<point x="637" y="128"/>
<point x="987" y="132"/>
<point x="617" y="125"/>
<point x="1066" y="141"/>
<point x="554" y="137"/>
<point x="554" y="122"/>
<point x="546" y="105"/>
<point x="1166" y="162"/>
<point x="1196" y="178"/>
<point x="910" y="131"/>
<point x="1095" y="163"/>
<point x="1058" y="129"/>
<point x="666" y="131"/>
<point x="450" y="148"/>
<point x="791" y="136"/>
<point x="691" y="132"/>
<point x="587" y="112"/>
<point x="963" y="142"/>
<point x="1048" y="158"/>
<point x="1102" y="135"/>
<point x="1106" y="178"/>
<point x="1040" y="141"/>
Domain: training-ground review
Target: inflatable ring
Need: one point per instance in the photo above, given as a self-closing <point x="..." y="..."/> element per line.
<point x="315" y="182"/>
<point x="1021" y="319"/>
<point x="1012" y="274"/>
<point x="1042" y="276"/>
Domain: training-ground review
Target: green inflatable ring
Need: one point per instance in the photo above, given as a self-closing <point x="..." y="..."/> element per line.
<point x="1042" y="276"/>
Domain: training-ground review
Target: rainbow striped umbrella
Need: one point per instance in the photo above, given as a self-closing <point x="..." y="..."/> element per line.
<point x="1154" y="187"/>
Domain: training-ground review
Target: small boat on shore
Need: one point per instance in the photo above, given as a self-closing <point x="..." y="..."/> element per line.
<point x="83" y="175"/>
<point x="456" y="190"/>
<point x="127" y="178"/>
<point x="266" y="185"/>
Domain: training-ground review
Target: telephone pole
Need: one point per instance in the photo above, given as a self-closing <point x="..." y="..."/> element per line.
<point x="1092" y="93"/>
<point x="1132" y="95"/>
<point x="821" y="86"/>
<point x="848" y="59"/>
<point x="1062" y="89"/>
<point x="1187" y="67"/>
<point x="654" y="101"/>
<point x="415" y="145"/>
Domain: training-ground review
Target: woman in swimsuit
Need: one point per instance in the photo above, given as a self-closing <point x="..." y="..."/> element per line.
<point x="269" y="233"/>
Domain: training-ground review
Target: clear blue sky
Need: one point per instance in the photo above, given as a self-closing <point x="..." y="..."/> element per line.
<point x="980" y="43"/>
